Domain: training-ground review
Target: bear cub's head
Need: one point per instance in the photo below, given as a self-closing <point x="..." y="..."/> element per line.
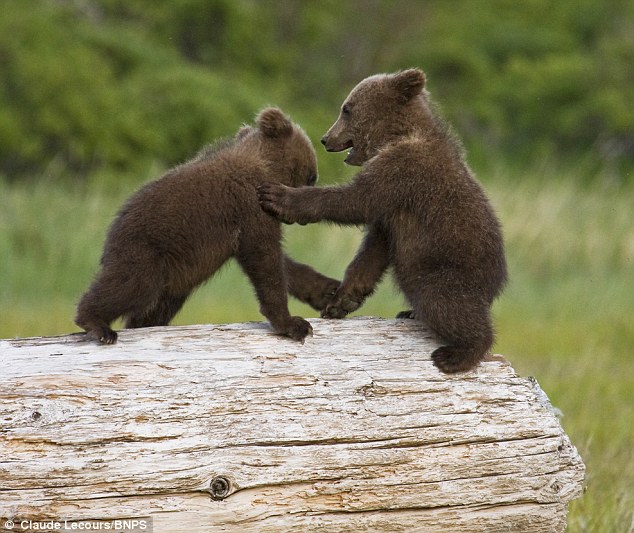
<point x="379" y="109"/>
<point x="284" y="146"/>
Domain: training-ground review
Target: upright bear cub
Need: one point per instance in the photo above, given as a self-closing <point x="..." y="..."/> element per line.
<point x="426" y="216"/>
<point x="175" y="232"/>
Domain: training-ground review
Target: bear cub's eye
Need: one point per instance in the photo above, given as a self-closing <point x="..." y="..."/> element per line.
<point x="345" y="110"/>
<point x="312" y="179"/>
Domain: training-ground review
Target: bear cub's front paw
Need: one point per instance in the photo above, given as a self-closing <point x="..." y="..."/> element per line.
<point x="275" y="199"/>
<point x="341" y="305"/>
<point x="297" y="329"/>
<point x="321" y="298"/>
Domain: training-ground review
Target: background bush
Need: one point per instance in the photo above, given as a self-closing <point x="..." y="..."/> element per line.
<point x="118" y="84"/>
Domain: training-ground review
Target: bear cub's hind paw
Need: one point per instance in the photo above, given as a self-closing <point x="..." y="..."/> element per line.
<point x="103" y="335"/>
<point x="452" y="360"/>
<point x="108" y="336"/>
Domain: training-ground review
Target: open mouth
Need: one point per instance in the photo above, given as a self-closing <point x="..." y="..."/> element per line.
<point x="351" y="157"/>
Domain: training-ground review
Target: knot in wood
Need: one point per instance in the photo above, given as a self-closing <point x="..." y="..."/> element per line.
<point x="219" y="488"/>
<point x="557" y="486"/>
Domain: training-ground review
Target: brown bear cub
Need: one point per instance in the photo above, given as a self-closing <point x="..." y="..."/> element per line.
<point x="426" y="216"/>
<point x="177" y="231"/>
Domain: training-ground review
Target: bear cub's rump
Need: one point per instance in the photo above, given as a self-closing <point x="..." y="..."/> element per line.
<point x="425" y="214"/>
<point x="177" y="231"/>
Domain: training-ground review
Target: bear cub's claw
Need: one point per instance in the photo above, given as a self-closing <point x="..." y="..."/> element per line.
<point x="108" y="336"/>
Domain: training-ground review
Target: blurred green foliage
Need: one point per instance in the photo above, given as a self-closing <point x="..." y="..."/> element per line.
<point x="122" y="84"/>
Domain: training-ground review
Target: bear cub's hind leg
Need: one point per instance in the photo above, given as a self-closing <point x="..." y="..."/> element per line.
<point x="115" y="293"/>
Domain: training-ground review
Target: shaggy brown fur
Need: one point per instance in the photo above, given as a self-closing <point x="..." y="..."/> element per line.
<point x="176" y="232"/>
<point x="426" y="216"/>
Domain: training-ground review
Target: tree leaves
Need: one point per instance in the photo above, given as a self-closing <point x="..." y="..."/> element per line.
<point x="125" y="83"/>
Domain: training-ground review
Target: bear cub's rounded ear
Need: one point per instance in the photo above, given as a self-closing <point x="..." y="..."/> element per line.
<point x="273" y="123"/>
<point x="409" y="83"/>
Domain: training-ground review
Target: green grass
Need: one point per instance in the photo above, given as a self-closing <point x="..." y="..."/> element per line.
<point x="567" y="316"/>
<point x="568" y="319"/>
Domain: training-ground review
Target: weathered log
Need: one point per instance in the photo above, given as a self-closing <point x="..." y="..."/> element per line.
<point x="233" y="428"/>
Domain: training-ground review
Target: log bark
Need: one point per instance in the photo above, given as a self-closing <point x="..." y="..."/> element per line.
<point x="233" y="428"/>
